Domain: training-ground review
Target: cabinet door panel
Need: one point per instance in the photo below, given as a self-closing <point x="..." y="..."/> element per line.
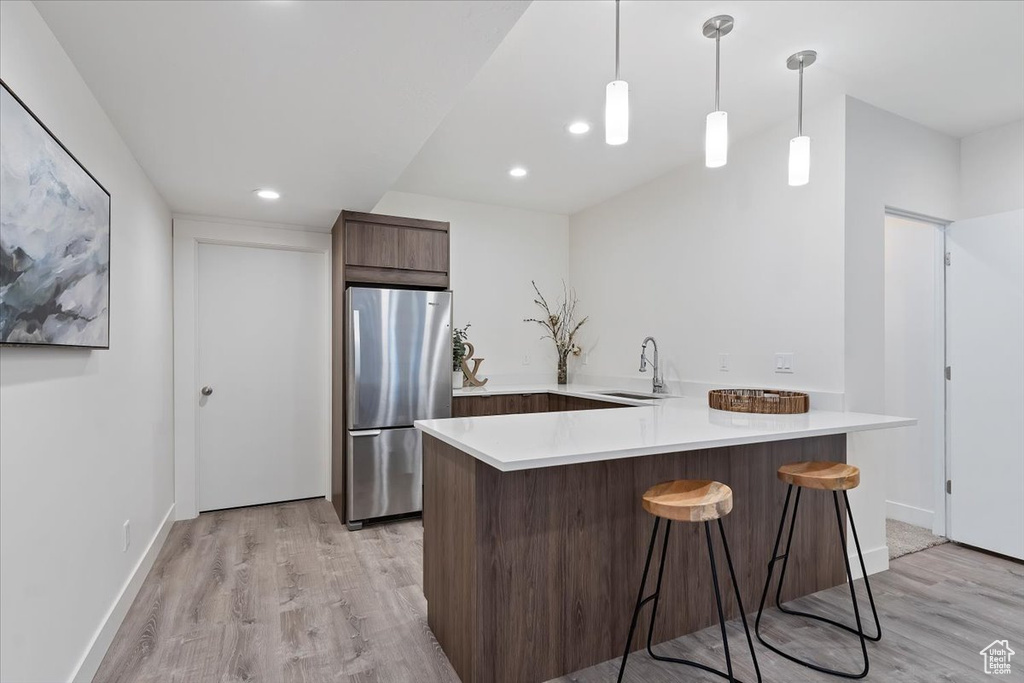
<point x="475" y="406"/>
<point x="387" y="246"/>
<point x="537" y="403"/>
<point x="511" y="404"/>
<point x="461" y="406"/>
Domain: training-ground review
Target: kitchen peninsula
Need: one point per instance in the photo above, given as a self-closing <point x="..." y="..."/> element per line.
<point x="534" y="536"/>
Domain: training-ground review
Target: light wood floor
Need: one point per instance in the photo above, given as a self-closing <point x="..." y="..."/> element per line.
<point x="285" y="593"/>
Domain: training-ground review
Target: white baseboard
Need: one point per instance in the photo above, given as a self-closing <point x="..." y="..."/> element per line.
<point x="875" y="560"/>
<point x="94" y="653"/>
<point x="909" y="514"/>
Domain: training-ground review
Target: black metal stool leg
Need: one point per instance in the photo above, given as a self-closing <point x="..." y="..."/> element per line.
<point x="864" y="572"/>
<point x="739" y="600"/>
<point x="718" y="601"/>
<point x="639" y="598"/>
<point x="859" y="630"/>
<point x="798" y="613"/>
<point x="771" y="564"/>
<point x="721" y="615"/>
<point x="853" y="596"/>
<point x="785" y="557"/>
<point x="657" y="588"/>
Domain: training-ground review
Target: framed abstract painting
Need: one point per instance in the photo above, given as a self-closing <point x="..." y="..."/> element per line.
<point x="54" y="238"/>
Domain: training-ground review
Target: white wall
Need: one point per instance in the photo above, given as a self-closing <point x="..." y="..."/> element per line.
<point x="729" y="260"/>
<point x="890" y="162"/>
<point x="85" y="436"/>
<point x="913" y="367"/>
<point x="992" y="171"/>
<point x="495" y="252"/>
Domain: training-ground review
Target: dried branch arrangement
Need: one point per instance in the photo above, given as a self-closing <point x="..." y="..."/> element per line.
<point x="561" y="326"/>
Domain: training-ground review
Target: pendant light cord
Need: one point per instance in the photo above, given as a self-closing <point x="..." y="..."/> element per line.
<point x="616" y="39"/>
<point x="718" y="67"/>
<point x="800" y="102"/>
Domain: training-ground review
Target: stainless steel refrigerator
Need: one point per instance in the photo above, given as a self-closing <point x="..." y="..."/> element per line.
<point x="398" y="369"/>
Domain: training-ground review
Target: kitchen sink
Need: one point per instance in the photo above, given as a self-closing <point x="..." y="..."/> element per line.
<point x="637" y="396"/>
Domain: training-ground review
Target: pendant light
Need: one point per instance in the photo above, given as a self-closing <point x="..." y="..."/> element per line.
<point x="716" y="134"/>
<point x="616" y="102"/>
<point x="800" y="146"/>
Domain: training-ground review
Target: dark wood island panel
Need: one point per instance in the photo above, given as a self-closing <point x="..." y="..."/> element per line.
<point x="532" y="574"/>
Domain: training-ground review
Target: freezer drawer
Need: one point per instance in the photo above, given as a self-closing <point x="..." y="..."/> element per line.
<point x="384" y="473"/>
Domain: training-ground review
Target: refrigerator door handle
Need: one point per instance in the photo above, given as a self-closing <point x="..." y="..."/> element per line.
<point x="366" y="432"/>
<point x="356" y="366"/>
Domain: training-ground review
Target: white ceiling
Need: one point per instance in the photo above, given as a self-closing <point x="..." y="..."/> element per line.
<point x="329" y="102"/>
<point x="324" y="101"/>
<point x="957" y="67"/>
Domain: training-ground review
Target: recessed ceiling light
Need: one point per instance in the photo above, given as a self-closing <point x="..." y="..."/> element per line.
<point x="517" y="172"/>
<point x="268" y="194"/>
<point x="579" y="127"/>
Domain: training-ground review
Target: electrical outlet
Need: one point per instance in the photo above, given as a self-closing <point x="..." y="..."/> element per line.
<point x="723" y="362"/>
<point x="526" y="359"/>
<point x="784" y="363"/>
<point x="127" y="537"/>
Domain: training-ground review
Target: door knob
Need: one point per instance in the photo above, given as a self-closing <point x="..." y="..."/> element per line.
<point x="206" y="391"/>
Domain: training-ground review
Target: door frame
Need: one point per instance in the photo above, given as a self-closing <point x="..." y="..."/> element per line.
<point x="941" y="463"/>
<point x="188" y="233"/>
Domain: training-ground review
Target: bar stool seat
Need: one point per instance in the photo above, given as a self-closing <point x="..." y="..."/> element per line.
<point x="686" y="500"/>
<point x="826" y="476"/>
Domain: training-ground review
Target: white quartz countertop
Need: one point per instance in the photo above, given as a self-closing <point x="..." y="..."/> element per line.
<point x="527" y="441"/>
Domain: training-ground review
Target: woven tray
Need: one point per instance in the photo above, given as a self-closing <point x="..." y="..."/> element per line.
<point x="770" y="401"/>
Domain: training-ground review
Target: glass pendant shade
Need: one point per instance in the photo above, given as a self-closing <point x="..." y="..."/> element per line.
<point x="616" y="113"/>
<point x="799" y="160"/>
<point x="716" y="139"/>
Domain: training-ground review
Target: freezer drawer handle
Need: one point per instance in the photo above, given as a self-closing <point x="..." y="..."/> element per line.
<point x="366" y="432"/>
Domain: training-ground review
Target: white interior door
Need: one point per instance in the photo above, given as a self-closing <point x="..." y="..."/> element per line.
<point x="262" y="344"/>
<point x="985" y="347"/>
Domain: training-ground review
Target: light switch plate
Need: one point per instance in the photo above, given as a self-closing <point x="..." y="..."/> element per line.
<point x="784" y="363"/>
<point x="723" y="362"/>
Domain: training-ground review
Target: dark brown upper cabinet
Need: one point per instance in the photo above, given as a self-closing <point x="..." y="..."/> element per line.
<point x="393" y="251"/>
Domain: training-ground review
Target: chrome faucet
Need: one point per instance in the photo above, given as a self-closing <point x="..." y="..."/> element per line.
<point x="657" y="382"/>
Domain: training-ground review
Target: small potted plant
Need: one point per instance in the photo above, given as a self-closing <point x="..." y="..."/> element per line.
<point x="459" y="336"/>
<point x="561" y="326"/>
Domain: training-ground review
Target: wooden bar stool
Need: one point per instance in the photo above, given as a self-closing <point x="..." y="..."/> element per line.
<point x="824" y="476"/>
<point x="688" y="501"/>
